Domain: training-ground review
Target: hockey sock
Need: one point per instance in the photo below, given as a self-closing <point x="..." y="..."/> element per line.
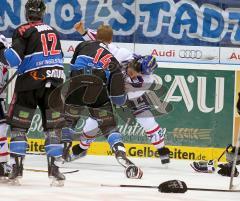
<point x="3" y="143"/>
<point x="90" y="131"/>
<point x="154" y="132"/>
<point x="18" y="144"/>
<point x="53" y="146"/>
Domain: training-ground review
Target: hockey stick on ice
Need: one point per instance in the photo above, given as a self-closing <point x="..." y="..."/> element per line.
<point x="235" y="160"/>
<point x="191" y="189"/>
<point x="36" y="170"/>
<point x="8" y="82"/>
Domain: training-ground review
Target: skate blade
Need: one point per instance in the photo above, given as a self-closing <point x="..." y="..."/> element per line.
<point x="14" y="182"/>
<point x="56" y="183"/>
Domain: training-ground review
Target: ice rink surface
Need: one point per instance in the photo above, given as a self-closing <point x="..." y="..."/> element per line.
<point x="85" y="185"/>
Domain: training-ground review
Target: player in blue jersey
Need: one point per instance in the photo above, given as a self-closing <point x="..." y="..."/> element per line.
<point x="37" y="55"/>
<point x="97" y="82"/>
<point x="138" y="73"/>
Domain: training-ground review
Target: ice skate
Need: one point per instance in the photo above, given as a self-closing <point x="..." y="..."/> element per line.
<point x="77" y="153"/>
<point x="57" y="178"/>
<point x="164" y="156"/>
<point x="5" y="169"/>
<point x="131" y="170"/>
<point x="16" y="172"/>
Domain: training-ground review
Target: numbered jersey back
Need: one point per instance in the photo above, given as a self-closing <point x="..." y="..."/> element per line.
<point x="93" y="54"/>
<point x="40" y="47"/>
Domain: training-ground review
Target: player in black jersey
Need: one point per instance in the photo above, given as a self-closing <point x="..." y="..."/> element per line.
<point x="36" y="53"/>
<point x="97" y="82"/>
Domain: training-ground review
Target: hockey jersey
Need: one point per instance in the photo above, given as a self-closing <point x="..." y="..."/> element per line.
<point x="90" y="55"/>
<point x="134" y="88"/>
<point x="3" y="73"/>
<point x="36" y="53"/>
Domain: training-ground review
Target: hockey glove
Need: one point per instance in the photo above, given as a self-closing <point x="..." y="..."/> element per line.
<point x="173" y="186"/>
<point x="204" y="166"/>
<point x="133" y="172"/>
<point x="226" y="169"/>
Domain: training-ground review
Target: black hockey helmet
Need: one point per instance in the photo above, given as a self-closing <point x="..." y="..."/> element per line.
<point x="34" y="10"/>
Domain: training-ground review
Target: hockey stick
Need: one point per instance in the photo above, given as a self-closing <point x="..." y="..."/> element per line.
<point x="235" y="160"/>
<point x="8" y="82"/>
<point x="35" y="170"/>
<point x="191" y="189"/>
<point x="219" y="158"/>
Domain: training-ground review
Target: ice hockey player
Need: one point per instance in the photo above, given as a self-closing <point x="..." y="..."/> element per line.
<point x="138" y="71"/>
<point x="37" y="55"/>
<point x="4" y="155"/>
<point x="97" y="82"/>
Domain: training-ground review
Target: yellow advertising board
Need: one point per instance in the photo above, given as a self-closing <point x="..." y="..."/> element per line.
<point x="142" y="150"/>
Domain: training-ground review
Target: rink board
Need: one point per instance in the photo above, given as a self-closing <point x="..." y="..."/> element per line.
<point x="142" y="150"/>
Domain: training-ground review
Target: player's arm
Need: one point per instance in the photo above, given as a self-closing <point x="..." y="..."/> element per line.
<point x="76" y="53"/>
<point x="15" y="54"/>
<point x="87" y="34"/>
<point x="116" y="84"/>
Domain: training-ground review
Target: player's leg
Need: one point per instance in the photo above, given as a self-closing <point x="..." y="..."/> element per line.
<point x="90" y="131"/>
<point x="51" y="106"/>
<point x="4" y="167"/>
<point x="74" y="109"/>
<point x="20" y="115"/>
<point x="141" y="111"/>
<point x="107" y="124"/>
<point x="72" y="114"/>
<point x="79" y="97"/>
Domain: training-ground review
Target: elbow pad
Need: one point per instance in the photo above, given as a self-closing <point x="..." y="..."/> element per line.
<point x="12" y="57"/>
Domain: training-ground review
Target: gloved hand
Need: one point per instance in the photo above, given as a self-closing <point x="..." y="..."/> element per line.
<point x="173" y="186"/>
<point x="226" y="169"/>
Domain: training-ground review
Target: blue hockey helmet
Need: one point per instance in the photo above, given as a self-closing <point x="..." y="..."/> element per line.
<point x="143" y="64"/>
<point x="148" y="64"/>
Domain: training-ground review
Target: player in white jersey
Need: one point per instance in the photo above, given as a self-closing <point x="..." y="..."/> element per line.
<point x="4" y="155"/>
<point x="138" y="71"/>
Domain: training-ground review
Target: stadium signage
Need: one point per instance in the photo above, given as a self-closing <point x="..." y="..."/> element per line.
<point x="181" y="83"/>
<point x="172" y="21"/>
<point x="190" y="54"/>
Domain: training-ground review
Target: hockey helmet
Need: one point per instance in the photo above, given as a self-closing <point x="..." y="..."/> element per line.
<point x="148" y="64"/>
<point x="144" y="64"/>
<point x="34" y="10"/>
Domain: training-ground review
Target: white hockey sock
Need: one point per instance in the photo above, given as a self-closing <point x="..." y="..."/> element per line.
<point x="152" y="129"/>
<point x="90" y="131"/>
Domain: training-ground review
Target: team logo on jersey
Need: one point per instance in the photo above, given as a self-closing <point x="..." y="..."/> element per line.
<point x="35" y="75"/>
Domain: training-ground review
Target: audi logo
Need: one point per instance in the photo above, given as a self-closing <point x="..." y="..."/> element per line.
<point x="190" y="54"/>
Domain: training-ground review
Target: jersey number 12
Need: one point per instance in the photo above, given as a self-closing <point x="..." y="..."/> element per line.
<point x="50" y="37"/>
